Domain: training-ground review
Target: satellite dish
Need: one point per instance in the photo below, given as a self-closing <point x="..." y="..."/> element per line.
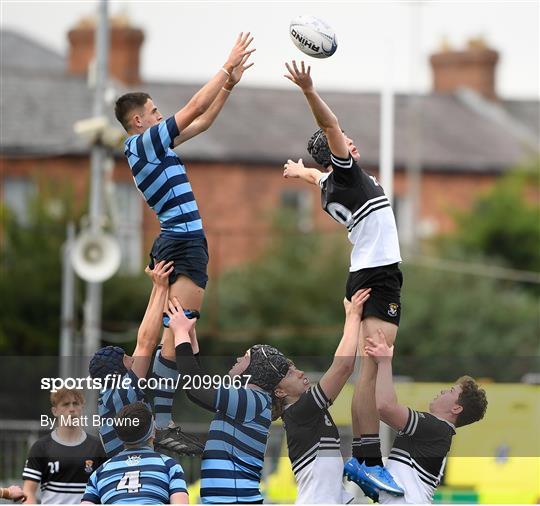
<point x="95" y="256"/>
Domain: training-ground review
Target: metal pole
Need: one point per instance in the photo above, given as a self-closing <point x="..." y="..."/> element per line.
<point x="68" y="306"/>
<point x="414" y="168"/>
<point x="386" y="171"/>
<point x="92" y="306"/>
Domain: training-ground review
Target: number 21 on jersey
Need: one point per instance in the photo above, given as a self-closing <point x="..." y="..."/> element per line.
<point x="130" y="482"/>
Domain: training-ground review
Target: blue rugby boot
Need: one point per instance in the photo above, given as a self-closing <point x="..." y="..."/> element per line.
<point x="375" y="477"/>
<point x="350" y="471"/>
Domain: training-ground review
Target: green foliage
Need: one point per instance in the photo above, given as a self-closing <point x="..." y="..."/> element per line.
<point x="452" y="323"/>
<point x="292" y="295"/>
<point x="30" y="274"/>
<point x="31" y="279"/>
<point x="504" y="223"/>
<point x="457" y="323"/>
<point x="289" y="295"/>
<point x="124" y="302"/>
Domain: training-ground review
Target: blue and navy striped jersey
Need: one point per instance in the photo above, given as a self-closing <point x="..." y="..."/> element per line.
<point x="135" y="476"/>
<point x="233" y="456"/>
<point x="161" y="177"/>
<point x="110" y="402"/>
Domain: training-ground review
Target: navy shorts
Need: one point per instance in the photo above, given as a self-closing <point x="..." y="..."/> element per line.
<point x="385" y="299"/>
<point x="190" y="257"/>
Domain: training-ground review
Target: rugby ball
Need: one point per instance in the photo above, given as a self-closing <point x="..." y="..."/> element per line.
<point x="313" y="36"/>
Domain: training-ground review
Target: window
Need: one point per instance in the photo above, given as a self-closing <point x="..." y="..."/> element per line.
<point x="300" y="202"/>
<point x="17" y="193"/>
<point x="128" y="221"/>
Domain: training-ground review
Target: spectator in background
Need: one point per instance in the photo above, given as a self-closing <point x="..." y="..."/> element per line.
<point x="61" y="462"/>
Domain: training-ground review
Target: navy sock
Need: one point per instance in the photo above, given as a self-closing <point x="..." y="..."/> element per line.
<point x="356" y="453"/>
<point x="370" y="450"/>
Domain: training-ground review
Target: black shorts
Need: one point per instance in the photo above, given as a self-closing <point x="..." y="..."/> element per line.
<point x="385" y="282"/>
<point x="190" y="257"/>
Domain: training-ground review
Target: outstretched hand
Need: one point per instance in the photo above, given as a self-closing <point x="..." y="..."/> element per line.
<point x="378" y="348"/>
<point x="293" y="169"/>
<point x="299" y="76"/>
<point x="239" y="51"/>
<point x="179" y="323"/>
<point x="238" y="71"/>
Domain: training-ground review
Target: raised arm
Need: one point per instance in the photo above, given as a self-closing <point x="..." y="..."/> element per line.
<point x="297" y="170"/>
<point x="186" y="363"/>
<point x="150" y="329"/>
<point x="203" y="122"/>
<point x="204" y="98"/>
<point x="324" y="116"/>
<point x="343" y="365"/>
<point x="390" y="411"/>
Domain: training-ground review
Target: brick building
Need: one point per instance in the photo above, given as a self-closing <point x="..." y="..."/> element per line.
<point x="466" y="137"/>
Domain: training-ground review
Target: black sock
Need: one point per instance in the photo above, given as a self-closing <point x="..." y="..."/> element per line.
<point x="370" y="450"/>
<point x="356" y="452"/>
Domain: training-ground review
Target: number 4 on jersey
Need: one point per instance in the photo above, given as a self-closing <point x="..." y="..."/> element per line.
<point x="130" y="482"/>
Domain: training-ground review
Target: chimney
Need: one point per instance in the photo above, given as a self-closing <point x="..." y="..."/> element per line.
<point x="472" y="68"/>
<point x="124" y="49"/>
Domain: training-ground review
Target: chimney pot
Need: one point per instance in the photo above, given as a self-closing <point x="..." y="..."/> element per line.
<point x="124" y="50"/>
<point x="472" y="68"/>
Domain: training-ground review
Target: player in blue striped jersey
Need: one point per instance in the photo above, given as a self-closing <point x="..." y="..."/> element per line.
<point x="112" y="360"/>
<point x="138" y="474"/>
<point x="355" y="199"/>
<point x="233" y="457"/>
<point x="161" y="176"/>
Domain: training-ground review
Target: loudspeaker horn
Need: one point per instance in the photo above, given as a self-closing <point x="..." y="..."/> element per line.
<point x="95" y="256"/>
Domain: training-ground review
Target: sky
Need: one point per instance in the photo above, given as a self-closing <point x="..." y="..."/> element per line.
<point x="377" y="41"/>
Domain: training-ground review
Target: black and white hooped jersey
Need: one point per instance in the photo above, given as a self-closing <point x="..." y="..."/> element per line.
<point x="314" y="450"/>
<point x="63" y="470"/>
<point x="418" y="456"/>
<point x="355" y="199"/>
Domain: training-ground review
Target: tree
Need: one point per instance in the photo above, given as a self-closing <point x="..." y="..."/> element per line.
<point x="291" y="295"/>
<point x="31" y="278"/>
<point x="504" y="223"/>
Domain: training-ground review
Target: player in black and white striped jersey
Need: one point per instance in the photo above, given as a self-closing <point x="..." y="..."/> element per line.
<point x="61" y="462"/>
<point x="355" y="199"/>
<point x="418" y="455"/>
<point x="312" y="436"/>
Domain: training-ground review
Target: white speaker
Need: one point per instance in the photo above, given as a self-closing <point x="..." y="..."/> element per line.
<point x="95" y="256"/>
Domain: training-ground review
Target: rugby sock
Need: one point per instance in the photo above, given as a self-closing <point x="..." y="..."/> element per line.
<point x="370" y="450"/>
<point x="356" y="442"/>
<point x="164" y="393"/>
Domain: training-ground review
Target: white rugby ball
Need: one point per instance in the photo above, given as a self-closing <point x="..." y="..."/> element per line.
<point x="313" y="36"/>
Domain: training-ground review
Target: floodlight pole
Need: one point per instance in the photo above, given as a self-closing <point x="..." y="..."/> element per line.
<point x="386" y="150"/>
<point x="414" y="143"/>
<point x="92" y="305"/>
<point x="68" y="366"/>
